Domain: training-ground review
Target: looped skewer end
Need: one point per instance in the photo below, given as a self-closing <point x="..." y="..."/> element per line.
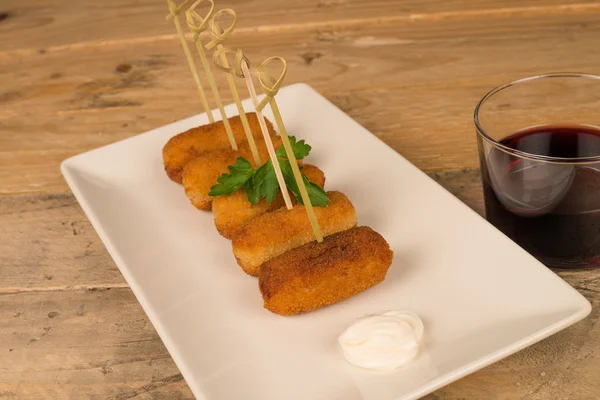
<point x="197" y="23"/>
<point x="217" y="33"/>
<point x="174" y="9"/>
<point x="269" y="85"/>
<point x="240" y="58"/>
<point x="220" y="61"/>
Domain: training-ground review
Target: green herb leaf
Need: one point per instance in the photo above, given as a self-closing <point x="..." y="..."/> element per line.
<point x="270" y="186"/>
<point x="263" y="184"/>
<point x="262" y="172"/>
<point x="252" y="191"/>
<point x="288" y="177"/>
<point x="239" y="173"/>
<point x="318" y="197"/>
<point x="300" y="149"/>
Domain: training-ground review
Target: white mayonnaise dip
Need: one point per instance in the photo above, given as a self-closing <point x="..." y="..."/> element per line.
<point x="383" y="341"/>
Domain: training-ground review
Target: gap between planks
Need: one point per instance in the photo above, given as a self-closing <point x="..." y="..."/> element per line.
<point x="19" y="290"/>
<point x="508" y="12"/>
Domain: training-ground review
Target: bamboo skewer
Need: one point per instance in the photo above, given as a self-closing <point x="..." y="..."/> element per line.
<point x="218" y="37"/>
<point x="191" y="18"/>
<point x="271" y="90"/>
<point x="242" y="69"/>
<point x="174" y="11"/>
<point x="261" y="120"/>
<point x="241" y="63"/>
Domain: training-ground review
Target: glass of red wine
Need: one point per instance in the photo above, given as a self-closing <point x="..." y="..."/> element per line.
<point x="539" y="149"/>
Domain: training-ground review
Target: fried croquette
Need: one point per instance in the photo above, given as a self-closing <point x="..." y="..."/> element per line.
<point x="201" y="173"/>
<point x="319" y="274"/>
<point x="274" y="233"/>
<point x="233" y="211"/>
<point x="186" y="146"/>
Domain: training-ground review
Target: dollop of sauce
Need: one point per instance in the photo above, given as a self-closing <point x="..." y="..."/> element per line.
<point x="383" y="341"/>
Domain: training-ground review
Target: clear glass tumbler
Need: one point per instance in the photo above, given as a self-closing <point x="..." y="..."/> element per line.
<point x="539" y="149"/>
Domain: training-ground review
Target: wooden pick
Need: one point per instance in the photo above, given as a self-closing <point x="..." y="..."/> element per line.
<point x="271" y="88"/>
<point x="218" y="37"/>
<point x="242" y="64"/>
<point x="197" y="25"/>
<point x="174" y="11"/>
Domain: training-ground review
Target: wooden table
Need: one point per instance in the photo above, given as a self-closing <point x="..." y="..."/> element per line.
<point x="75" y="75"/>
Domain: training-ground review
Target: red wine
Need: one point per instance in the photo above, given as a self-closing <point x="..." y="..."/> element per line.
<point x="551" y="209"/>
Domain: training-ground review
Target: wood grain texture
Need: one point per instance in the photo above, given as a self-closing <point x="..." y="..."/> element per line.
<point x="48" y="244"/>
<point x="430" y="74"/>
<point x="39" y="24"/>
<point x="82" y="344"/>
<point x="76" y="75"/>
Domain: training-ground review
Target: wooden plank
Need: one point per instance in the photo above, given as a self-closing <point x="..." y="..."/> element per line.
<point x="92" y="344"/>
<point x="465" y="184"/>
<point x="41" y="24"/>
<point x="48" y="243"/>
<point x="99" y="344"/>
<point x="429" y="77"/>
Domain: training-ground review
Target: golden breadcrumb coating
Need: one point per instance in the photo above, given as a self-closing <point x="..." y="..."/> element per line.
<point x="274" y="233"/>
<point x="186" y="146"/>
<point x="319" y="274"/>
<point x="233" y="211"/>
<point x="200" y="174"/>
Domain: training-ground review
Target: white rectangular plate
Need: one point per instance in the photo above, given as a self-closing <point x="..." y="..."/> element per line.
<point x="481" y="297"/>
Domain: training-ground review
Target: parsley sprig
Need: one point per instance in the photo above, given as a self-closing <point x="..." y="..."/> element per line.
<point x="239" y="173"/>
<point x="262" y="183"/>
